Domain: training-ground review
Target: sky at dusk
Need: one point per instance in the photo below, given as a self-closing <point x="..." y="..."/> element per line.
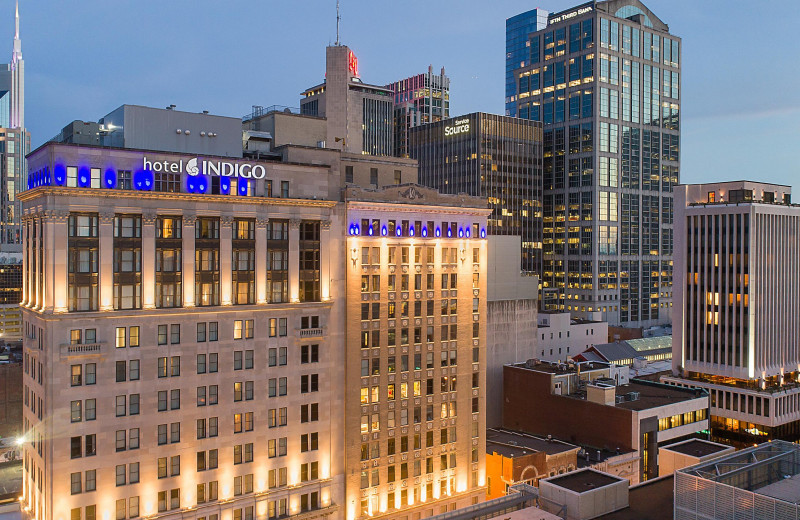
<point x="740" y="106"/>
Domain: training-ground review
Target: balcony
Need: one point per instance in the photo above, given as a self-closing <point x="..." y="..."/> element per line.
<point x="311" y="333"/>
<point x="68" y="350"/>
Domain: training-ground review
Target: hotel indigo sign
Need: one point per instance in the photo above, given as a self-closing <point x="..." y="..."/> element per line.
<point x="207" y="167"/>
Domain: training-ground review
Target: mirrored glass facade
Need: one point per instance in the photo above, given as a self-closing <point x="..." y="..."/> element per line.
<point x="604" y="80"/>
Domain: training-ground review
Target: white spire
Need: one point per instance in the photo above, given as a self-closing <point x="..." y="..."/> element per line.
<point x="17" y="53"/>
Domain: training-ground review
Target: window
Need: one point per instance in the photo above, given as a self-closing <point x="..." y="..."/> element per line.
<point x="309" y="412"/>
<point x="309" y="442"/>
<point x="309" y="383"/>
<point x="309" y="354"/>
<point x="348" y="174"/>
<point x="373" y="176"/>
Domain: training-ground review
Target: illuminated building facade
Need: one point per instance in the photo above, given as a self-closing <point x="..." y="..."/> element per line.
<point x="418" y="100"/>
<point x="737" y="333"/>
<point x="416" y="345"/>
<point x="604" y="80"/>
<point x="183" y="337"/>
<point x="185" y="321"/>
<point x="15" y="143"/>
<point x="498" y="158"/>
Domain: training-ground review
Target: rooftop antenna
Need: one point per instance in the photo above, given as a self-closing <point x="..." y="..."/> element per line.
<point x="337" y="23"/>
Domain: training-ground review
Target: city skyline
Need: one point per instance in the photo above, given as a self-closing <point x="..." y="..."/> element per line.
<point x="470" y="44"/>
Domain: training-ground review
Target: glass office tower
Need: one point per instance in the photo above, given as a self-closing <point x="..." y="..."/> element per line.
<point x="498" y="158"/>
<point x="15" y="143"/>
<point x="604" y="79"/>
<point x="517" y="30"/>
<point x="418" y="100"/>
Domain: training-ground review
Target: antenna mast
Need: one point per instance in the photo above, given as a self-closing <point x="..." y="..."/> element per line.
<point x="337" y="22"/>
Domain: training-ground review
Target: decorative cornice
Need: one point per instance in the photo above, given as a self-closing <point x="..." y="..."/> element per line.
<point x="149" y="218"/>
<point x="95" y="193"/>
<point x="52" y="215"/>
<point x="388" y="207"/>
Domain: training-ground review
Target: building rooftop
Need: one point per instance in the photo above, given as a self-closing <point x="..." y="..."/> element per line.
<point x="755" y="469"/>
<point x="653" y="395"/>
<point x="650" y="500"/>
<point x="652" y="343"/>
<point x="560" y="368"/>
<point x="10" y="479"/>
<point x="584" y="480"/>
<point x="696" y="448"/>
<point x="589" y="455"/>
<point x="514" y="444"/>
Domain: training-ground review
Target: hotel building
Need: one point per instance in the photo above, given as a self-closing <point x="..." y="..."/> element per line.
<point x="737" y="318"/>
<point x="604" y="79"/>
<point x="183" y="338"/>
<point x="156" y="289"/>
<point x="415" y="395"/>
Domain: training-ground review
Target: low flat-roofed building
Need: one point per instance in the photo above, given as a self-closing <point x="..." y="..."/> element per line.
<point x="595" y="404"/>
<point x="688" y="453"/>
<point x="760" y="482"/>
<point x="584" y="494"/>
<point x="636" y="352"/>
<point x="560" y="336"/>
<point x="650" y="500"/>
<point x="513" y="457"/>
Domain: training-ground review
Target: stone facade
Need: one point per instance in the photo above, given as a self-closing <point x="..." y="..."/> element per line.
<point x="416" y="275"/>
<point x="127" y="406"/>
<point x="193" y="344"/>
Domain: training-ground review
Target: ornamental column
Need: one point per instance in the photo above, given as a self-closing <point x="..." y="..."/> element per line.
<point x="294" y="260"/>
<point x="261" y="259"/>
<point x="187" y="252"/>
<point x="106" y="233"/>
<point x="148" y="260"/>
<point x="26" y="267"/>
<point x="325" y="260"/>
<point x="225" y="260"/>
<point x="60" y="274"/>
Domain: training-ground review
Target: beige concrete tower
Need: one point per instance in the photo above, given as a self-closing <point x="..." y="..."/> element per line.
<point x="416" y="352"/>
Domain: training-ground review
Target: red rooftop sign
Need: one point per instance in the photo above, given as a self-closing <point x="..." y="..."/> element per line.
<point x="352" y="63"/>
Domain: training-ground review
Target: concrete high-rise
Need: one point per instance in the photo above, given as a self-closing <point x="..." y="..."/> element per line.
<point x="604" y="79"/>
<point x="416" y="352"/>
<point x="360" y="116"/>
<point x="15" y="143"/>
<point x="418" y="100"/>
<point x="737" y="312"/>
